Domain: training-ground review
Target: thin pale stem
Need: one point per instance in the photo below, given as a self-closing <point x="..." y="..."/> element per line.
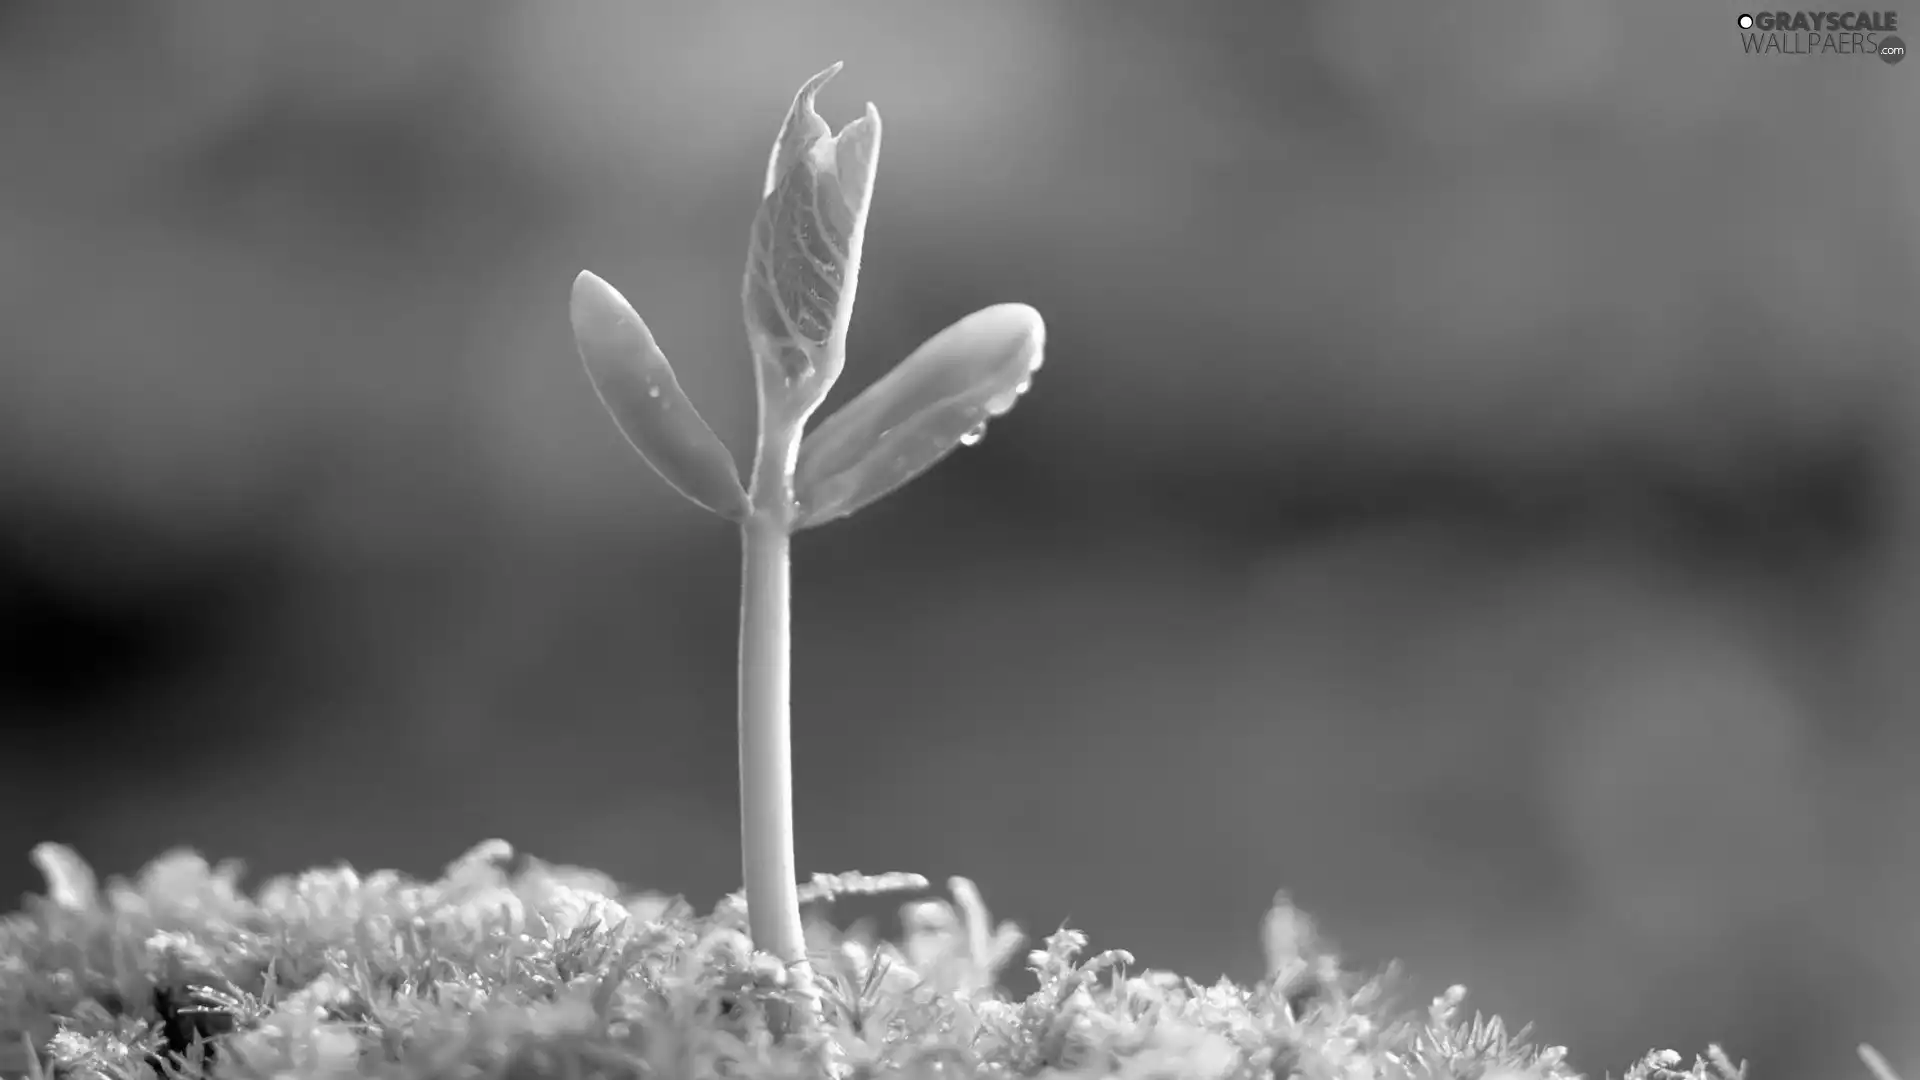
<point x="766" y="741"/>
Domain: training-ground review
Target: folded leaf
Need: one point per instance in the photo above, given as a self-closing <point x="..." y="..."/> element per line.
<point x="938" y="398"/>
<point x="804" y="258"/>
<point x="637" y="385"/>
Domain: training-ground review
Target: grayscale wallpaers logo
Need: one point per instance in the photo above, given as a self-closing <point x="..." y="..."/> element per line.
<point x="1823" y="33"/>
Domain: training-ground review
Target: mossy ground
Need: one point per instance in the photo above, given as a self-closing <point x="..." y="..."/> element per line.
<point x="551" y="971"/>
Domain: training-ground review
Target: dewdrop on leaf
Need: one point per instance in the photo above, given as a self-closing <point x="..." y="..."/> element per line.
<point x="637" y="385"/>
<point x="938" y="398"/>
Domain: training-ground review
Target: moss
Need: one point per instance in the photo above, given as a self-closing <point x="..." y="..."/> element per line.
<point x="550" y="971"/>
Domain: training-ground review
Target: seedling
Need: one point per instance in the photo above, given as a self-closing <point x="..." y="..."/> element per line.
<point x="803" y="265"/>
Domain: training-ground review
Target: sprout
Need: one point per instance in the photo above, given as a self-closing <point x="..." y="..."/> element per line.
<point x="803" y="266"/>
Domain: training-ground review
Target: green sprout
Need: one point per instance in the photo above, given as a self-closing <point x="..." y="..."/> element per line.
<point x="803" y="264"/>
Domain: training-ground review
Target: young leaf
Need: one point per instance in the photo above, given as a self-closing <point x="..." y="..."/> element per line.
<point x="803" y="261"/>
<point x="637" y="386"/>
<point x="938" y="398"/>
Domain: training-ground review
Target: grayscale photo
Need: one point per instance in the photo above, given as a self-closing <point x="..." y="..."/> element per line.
<point x="922" y="540"/>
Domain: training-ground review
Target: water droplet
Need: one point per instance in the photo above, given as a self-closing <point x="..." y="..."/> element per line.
<point x="974" y="434"/>
<point x="653" y="391"/>
<point x="999" y="404"/>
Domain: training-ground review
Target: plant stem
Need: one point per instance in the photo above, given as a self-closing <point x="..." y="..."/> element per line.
<point x="766" y="740"/>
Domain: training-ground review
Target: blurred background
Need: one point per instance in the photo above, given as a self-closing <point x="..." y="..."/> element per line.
<point x="1472" y="486"/>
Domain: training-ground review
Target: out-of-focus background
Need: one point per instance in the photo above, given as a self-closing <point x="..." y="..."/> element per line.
<point x="1471" y="486"/>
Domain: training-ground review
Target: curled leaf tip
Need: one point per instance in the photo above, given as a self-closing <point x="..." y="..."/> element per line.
<point x="803" y="259"/>
<point x="802" y="126"/>
<point x="638" y="387"/>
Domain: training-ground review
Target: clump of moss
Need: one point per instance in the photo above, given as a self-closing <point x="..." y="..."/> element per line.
<point x="553" y="971"/>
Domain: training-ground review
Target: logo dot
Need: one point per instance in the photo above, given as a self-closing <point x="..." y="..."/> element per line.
<point x="1746" y="22"/>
